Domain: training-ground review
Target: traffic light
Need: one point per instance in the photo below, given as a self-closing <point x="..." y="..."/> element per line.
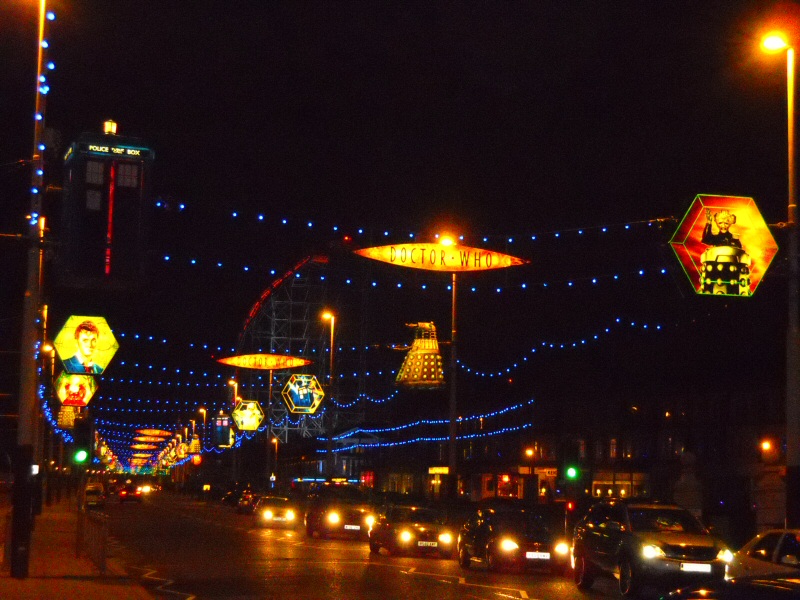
<point x="572" y="473"/>
<point x="83" y="439"/>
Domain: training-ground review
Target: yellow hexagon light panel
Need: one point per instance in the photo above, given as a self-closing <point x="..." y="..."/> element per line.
<point x="86" y="345"/>
<point x="724" y="245"/>
<point x="248" y="415"/>
<point x="303" y="394"/>
<point x="75" y="390"/>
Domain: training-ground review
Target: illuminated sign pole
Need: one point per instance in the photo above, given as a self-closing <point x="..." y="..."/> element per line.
<point x="448" y="257"/>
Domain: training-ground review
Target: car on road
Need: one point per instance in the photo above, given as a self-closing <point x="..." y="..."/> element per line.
<point x="339" y="509"/>
<point x="515" y="536"/>
<point x="247" y="502"/>
<point x="94" y="495"/>
<point x="130" y="492"/>
<point x="276" y="511"/>
<point x="645" y="543"/>
<point x="411" y="529"/>
<point x="762" y="587"/>
<point x="775" y="551"/>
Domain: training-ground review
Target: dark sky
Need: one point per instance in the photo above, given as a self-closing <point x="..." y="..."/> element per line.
<point x="508" y="119"/>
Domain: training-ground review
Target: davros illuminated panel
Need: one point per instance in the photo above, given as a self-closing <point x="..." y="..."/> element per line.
<point x="724" y="245"/>
<point x="436" y="257"/>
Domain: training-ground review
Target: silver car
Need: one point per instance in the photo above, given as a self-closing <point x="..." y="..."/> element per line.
<point x="771" y="551"/>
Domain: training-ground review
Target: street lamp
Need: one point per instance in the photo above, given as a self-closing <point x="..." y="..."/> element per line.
<point x="275" y="441"/>
<point x="235" y="385"/>
<point x="329" y="316"/>
<point x="777" y="42"/>
<point x="446" y="240"/>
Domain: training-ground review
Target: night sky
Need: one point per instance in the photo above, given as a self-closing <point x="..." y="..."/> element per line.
<point x="501" y="120"/>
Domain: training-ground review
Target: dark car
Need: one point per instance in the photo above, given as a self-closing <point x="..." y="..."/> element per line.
<point x="764" y="587"/>
<point x="276" y="511"/>
<point x="130" y="493"/>
<point x="247" y="502"/>
<point x="340" y="510"/>
<point x="515" y="536"/>
<point x="402" y="529"/>
<point x="643" y="542"/>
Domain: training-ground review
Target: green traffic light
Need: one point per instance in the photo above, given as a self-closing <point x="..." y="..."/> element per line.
<point x="81" y="456"/>
<point x="572" y="473"/>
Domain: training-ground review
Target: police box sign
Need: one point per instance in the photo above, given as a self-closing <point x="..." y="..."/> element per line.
<point x="111" y="150"/>
<point x="437" y="257"/>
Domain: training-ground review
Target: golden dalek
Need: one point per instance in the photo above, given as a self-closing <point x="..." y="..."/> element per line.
<point x="422" y="366"/>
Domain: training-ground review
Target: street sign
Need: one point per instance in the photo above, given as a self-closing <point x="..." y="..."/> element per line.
<point x="248" y="415"/>
<point x="724" y="245"/>
<point x="303" y="394"/>
<point x="85" y="345"/>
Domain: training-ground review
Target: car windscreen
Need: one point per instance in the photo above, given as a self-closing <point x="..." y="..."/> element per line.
<point x="529" y="522"/>
<point x="416" y="515"/>
<point x="664" y="520"/>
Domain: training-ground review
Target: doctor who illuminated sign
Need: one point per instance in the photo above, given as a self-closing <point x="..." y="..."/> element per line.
<point x="724" y="245"/>
<point x="266" y="362"/>
<point x="437" y="257"/>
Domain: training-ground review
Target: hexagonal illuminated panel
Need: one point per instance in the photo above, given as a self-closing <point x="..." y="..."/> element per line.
<point x="724" y="245"/>
<point x="302" y="394"/>
<point x="248" y="415"/>
<point x="85" y="345"/>
<point x="75" y="390"/>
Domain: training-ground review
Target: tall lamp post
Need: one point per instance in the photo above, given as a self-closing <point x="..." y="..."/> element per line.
<point x="329" y="316"/>
<point x="776" y="42"/>
<point x="452" y="454"/>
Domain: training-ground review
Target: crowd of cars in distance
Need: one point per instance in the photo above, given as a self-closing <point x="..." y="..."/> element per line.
<point x="646" y="543"/>
<point x="410" y="529"/>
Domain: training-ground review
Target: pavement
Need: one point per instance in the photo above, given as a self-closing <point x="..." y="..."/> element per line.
<point x="54" y="570"/>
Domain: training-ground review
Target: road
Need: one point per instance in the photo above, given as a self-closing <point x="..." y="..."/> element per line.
<point x="182" y="548"/>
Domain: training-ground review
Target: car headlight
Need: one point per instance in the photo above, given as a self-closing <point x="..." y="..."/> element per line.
<point x="562" y="548"/>
<point x="333" y="518"/>
<point x="290" y="515"/>
<point x="405" y="536"/>
<point x="370" y="520"/>
<point x="652" y="551"/>
<point x="508" y="545"/>
<point x="725" y="555"/>
<point x="267" y="514"/>
<point x="445" y="538"/>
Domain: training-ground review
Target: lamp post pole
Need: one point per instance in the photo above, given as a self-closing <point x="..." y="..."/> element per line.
<point x="452" y="455"/>
<point x="329" y="463"/>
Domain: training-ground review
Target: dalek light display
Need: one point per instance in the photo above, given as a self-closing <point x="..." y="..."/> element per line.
<point x="422" y="366"/>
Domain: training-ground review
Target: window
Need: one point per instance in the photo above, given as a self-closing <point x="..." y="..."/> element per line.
<point x="94" y="172"/>
<point x="790" y="546"/>
<point x="765" y="547"/>
<point x="128" y="175"/>
<point x="94" y="200"/>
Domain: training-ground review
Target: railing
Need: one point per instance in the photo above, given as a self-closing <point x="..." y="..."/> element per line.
<point x="93" y="537"/>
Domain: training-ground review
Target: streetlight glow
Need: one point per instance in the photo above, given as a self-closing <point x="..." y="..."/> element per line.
<point x="774" y="42"/>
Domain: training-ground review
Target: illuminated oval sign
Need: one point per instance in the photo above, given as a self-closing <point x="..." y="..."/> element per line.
<point x="436" y="257"/>
<point x="266" y="362"/>
<point x="158" y="432"/>
<point x="143" y="447"/>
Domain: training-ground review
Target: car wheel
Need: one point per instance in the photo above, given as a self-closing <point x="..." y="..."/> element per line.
<point x="463" y="557"/>
<point x="583" y="575"/>
<point x="628" y="581"/>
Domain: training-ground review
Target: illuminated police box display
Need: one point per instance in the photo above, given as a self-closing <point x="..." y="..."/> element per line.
<point x="85" y="345"/>
<point x="724" y="245"/>
<point x="265" y="362"/>
<point x="248" y="415"/>
<point x="437" y="257"/>
<point x="303" y="394"/>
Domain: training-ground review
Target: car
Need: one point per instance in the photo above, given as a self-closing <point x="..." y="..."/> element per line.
<point x="276" y="511"/>
<point x="762" y="587"/>
<point x="644" y="542"/>
<point x="515" y="536"/>
<point x="774" y="551"/>
<point x="130" y="493"/>
<point x="412" y="529"/>
<point x="336" y="509"/>
<point x="94" y="496"/>
<point x="247" y="503"/>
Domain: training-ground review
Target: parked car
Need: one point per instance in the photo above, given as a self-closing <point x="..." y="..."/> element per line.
<point x="412" y="529"/>
<point x="775" y="551"/>
<point x="94" y="496"/>
<point x="276" y="511"/>
<point x="339" y="509"/>
<point x="516" y="536"/>
<point x="644" y="542"/>
<point x="763" y="587"/>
